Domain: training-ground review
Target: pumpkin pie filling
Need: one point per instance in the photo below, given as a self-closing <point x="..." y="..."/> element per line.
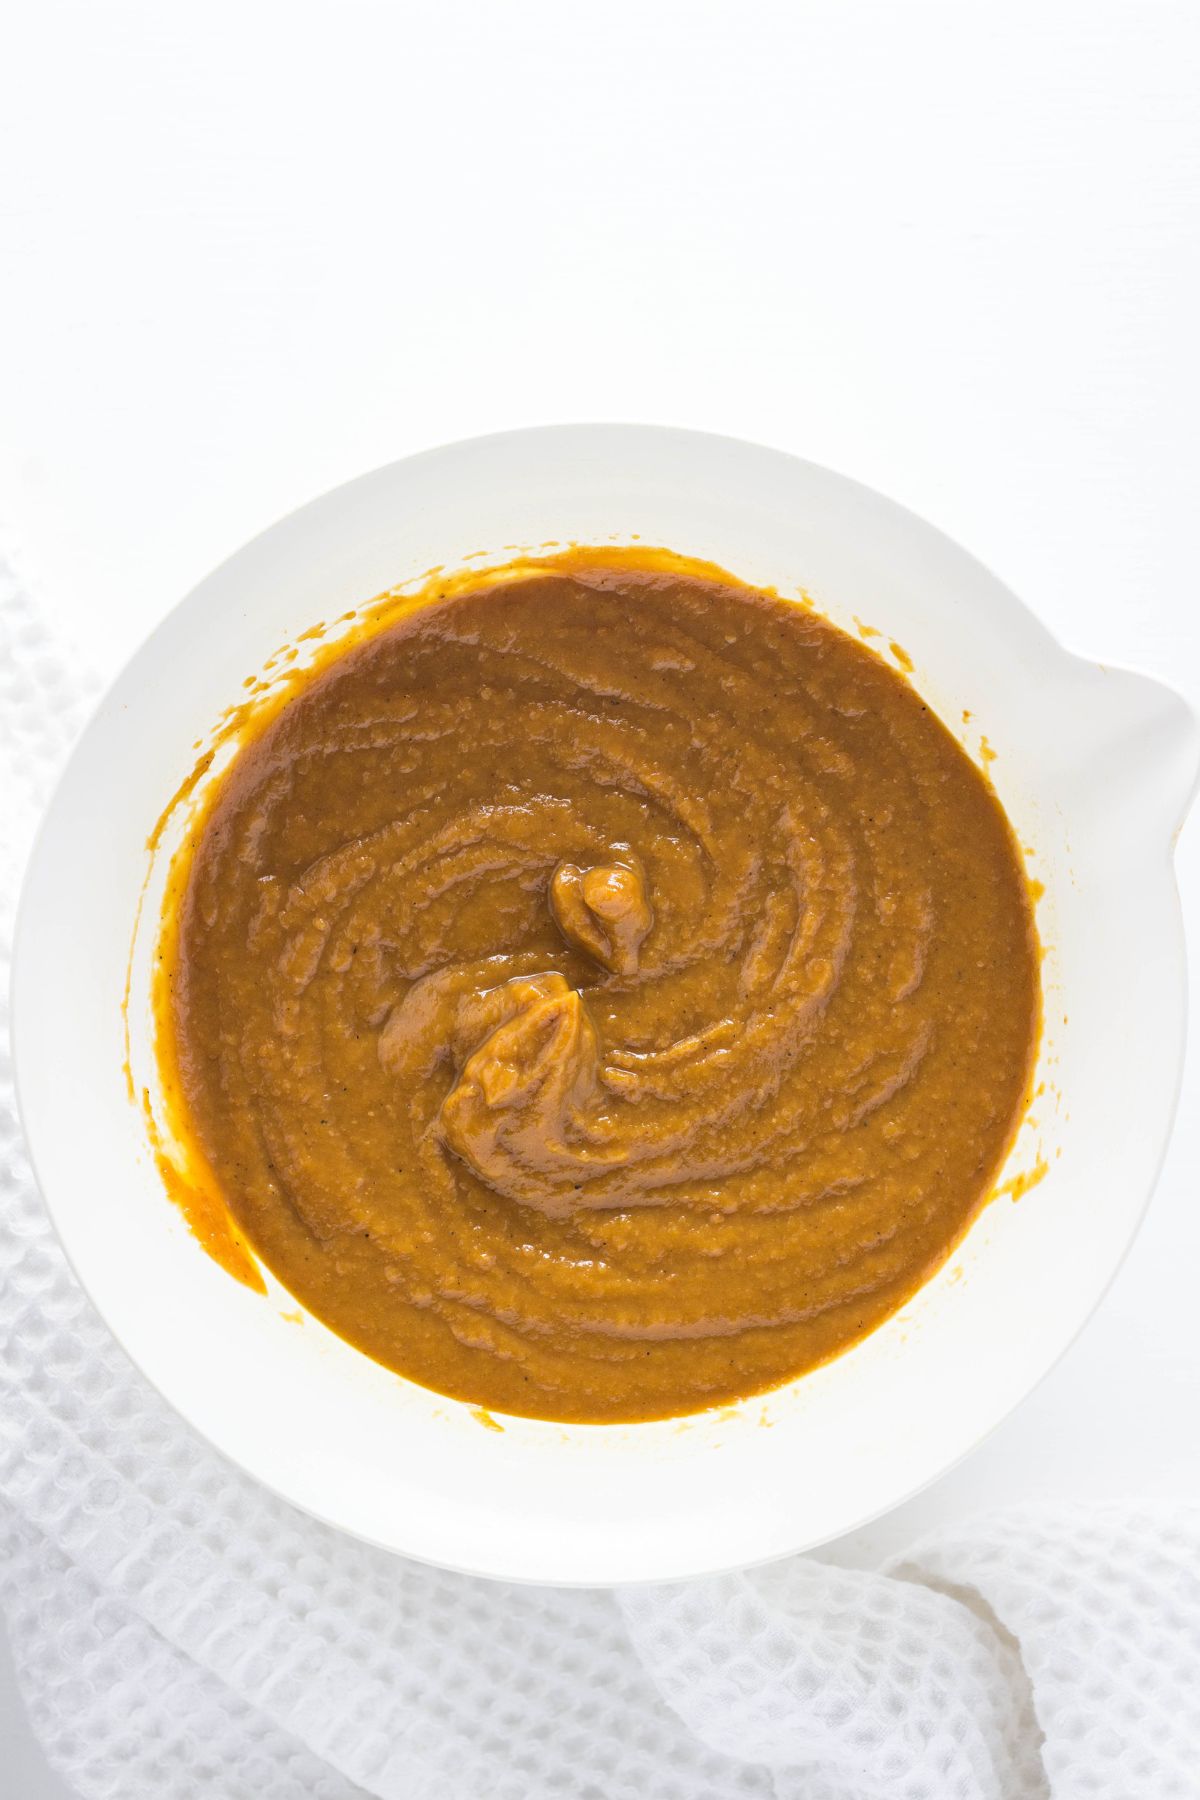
<point x="602" y="992"/>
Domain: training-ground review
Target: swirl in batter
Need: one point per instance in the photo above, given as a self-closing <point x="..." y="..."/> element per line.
<point x="604" y="992"/>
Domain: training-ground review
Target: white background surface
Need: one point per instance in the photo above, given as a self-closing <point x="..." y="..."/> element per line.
<point x="249" y="250"/>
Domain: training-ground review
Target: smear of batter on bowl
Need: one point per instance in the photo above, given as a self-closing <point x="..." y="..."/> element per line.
<point x="602" y="992"/>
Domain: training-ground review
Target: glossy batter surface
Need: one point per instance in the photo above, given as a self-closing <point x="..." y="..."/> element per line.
<point x="604" y="993"/>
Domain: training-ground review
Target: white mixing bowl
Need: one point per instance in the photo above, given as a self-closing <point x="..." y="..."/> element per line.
<point x="1095" y="767"/>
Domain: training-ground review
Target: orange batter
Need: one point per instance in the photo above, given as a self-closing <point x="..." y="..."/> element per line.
<point x="602" y="993"/>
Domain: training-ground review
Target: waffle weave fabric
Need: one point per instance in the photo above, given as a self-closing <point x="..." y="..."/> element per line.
<point x="178" y="1632"/>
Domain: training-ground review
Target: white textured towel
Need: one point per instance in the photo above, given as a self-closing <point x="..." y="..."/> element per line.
<point x="180" y="1634"/>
